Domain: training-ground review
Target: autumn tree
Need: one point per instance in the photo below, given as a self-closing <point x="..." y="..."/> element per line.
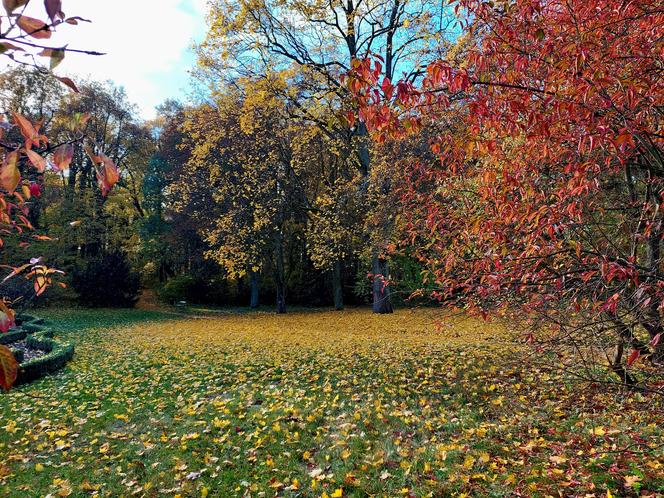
<point x="170" y="245"/>
<point x="317" y="42"/>
<point x="546" y="195"/>
<point x="241" y="151"/>
<point x="333" y="205"/>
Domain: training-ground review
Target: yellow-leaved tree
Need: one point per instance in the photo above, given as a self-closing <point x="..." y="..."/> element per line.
<point x="314" y="43"/>
<point x="241" y="157"/>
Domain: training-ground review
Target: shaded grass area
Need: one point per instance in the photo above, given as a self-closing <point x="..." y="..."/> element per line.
<point x="316" y="404"/>
<point x="66" y="321"/>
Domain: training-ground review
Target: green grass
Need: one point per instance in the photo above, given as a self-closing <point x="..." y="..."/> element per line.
<point x="313" y="404"/>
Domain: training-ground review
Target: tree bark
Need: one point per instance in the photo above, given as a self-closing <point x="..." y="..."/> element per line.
<point x="381" y="292"/>
<point x="337" y="285"/>
<point x="281" y="299"/>
<point x="279" y="277"/>
<point x="652" y="321"/>
<point x="618" y="368"/>
<point x="253" y="282"/>
<point x="627" y="337"/>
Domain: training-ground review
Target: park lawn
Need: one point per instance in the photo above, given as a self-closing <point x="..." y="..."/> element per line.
<point x="317" y="404"/>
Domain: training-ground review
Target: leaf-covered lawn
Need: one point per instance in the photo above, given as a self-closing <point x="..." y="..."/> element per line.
<point x="316" y="404"/>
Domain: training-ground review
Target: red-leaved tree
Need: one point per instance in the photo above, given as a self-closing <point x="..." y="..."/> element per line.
<point x="547" y="198"/>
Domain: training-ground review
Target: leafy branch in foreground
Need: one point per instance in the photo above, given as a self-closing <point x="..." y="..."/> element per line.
<point x="26" y="151"/>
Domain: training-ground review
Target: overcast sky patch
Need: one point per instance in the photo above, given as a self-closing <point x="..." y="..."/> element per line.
<point x="147" y="42"/>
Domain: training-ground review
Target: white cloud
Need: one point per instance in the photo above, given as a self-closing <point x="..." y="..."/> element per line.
<point x="147" y="42"/>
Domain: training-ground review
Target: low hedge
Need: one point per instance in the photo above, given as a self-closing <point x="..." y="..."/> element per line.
<point x="13" y="336"/>
<point x="25" y="319"/>
<point x="18" y="354"/>
<point x="58" y="353"/>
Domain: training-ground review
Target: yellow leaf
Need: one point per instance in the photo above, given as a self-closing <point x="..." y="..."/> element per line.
<point x="86" y="486"/>
<point x="9" y="173"/>
<point x="630" y="481"/>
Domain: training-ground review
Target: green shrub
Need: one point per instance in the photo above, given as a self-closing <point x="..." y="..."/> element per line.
<point x="178" y="289"/>
<point x="17" y="288"/>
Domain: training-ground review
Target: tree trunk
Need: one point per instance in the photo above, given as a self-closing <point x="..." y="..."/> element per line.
<point x="281" y="300"/>
<point x="381" y="292"/>
<point x="279" y="277"/>
<point x="652" y="321"/>
<point x="618" y="368"/>
<point x="253" y="282"/>
<point x="627" y="336"/>
<point x="337" y="285"/>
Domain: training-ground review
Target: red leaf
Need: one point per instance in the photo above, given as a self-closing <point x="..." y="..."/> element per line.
<point x="63" y="156"/>
<point x="12" y="5"/>
<point x="7" y="317"/>
<point x="74" y="20"/>
<point x="8" y="368"/>
<point x="15" y="271"/>
<point x="34" y="27"/>
<point x="350" y="116"/>
<point x="54" y="9"/>
<point x="37" y="160"/>
<point x="35" y="190"/>
<point x="41" y="283"/>
<point x="656" y="339"/>
<point x="27" y="129"/>
<point x="108" y="175"/>
<point x="56" y="55"/>
<point x="69" y="82"/>
<point x="387" y="88"/>
<point x="5" y="46"/>
<point x="633" y="356"/>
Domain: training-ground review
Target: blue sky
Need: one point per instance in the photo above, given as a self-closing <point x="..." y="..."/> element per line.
<point x="148" y="45"/>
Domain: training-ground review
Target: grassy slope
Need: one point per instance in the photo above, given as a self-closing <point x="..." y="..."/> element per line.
<point x="310" y="404"/>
